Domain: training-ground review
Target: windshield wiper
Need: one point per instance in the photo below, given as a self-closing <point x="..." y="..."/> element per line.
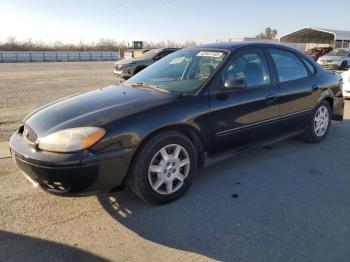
<point x="148" y="86"/>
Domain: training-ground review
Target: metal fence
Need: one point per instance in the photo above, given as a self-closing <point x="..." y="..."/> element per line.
<point x="9" y="56"/>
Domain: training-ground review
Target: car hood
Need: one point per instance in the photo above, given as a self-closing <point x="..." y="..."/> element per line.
<point x="95" y="108"/>
<point x="129" y="61"/>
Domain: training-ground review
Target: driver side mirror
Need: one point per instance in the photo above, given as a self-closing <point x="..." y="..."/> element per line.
<point x="235" y="83"/>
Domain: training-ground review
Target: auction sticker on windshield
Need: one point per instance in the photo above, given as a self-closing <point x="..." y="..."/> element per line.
<point x="211" y="54"/>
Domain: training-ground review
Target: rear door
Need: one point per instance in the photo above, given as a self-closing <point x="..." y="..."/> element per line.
<point x="246" y="117"/>
<point x="298" y="87"/>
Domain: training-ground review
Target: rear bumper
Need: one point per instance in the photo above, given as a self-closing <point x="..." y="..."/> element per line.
<point x="77" y="174"/>
<point x="338" y="109"/>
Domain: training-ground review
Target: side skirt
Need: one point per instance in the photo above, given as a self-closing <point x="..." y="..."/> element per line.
<point x="230" y="155"/>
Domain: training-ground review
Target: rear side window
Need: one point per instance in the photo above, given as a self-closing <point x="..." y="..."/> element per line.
<point x="289" y="67"/>
<point x="308" y="64"/>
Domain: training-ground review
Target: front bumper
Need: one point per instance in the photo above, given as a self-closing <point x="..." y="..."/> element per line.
<point x="75" y="174"/>
<point x="333" y="64"/>
<point x="124" y="72"/>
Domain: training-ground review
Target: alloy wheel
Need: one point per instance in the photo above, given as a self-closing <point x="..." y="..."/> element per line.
<point x="321" y="121"/>
<point x="168" y="169"/>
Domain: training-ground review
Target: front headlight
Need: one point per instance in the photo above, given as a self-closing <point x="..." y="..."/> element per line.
<point x="71" y="140"/>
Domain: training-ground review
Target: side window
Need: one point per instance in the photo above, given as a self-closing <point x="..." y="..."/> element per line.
<point x="289" y="66"/>
<point x="167" y="53"/>
<point x="163" y="54"/>
<point x="308" y="64"/>
<point x="250" y="65"/>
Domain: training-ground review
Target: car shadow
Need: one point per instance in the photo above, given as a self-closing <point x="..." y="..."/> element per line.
<point x="263" y="207"/>
<point x="17" y="247"/>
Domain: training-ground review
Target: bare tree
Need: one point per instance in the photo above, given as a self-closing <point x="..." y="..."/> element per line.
<point x="104" y="44"/>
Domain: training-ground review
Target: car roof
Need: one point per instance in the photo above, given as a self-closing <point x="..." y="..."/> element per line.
<point x="168" y="48"/>
<point x="234" y="45"/>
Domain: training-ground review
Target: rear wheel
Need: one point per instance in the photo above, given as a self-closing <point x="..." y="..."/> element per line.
<point x="163" y="168"/>
<point x="320" y="123"/>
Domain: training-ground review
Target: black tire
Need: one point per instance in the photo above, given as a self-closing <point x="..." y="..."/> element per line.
<point x="344" y="65"/>
<point x="310" y="133"/>
<point x="138" y="177"/>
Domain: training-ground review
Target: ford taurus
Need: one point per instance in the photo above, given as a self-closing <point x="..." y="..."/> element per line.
<point x="193" y="108"/>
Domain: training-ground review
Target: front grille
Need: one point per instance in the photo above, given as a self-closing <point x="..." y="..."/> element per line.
<point x="29" y="134"/>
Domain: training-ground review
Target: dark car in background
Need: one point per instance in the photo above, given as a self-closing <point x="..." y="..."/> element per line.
<point x="316" y="52"/>
<point x="126" y="68"/>
<point x="193" y="108"/>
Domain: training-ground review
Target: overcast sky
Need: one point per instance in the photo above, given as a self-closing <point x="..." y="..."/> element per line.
<point x="157" y="20"/>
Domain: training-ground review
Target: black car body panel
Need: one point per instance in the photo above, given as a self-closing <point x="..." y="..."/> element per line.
<point x="99" y="108"/>
<point x="223" y="122"/>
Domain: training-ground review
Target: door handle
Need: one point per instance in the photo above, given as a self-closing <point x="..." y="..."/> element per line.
<point x="315" y="88"/>
<point x="270" y="98"/>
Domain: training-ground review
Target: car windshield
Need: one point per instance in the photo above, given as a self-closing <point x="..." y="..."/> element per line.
<point x="183" y="71"/>
<point x="150" y="54"/>
<point x="338" y="52"/>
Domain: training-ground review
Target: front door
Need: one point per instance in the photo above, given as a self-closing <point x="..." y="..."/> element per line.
<point x="244" y="118"/>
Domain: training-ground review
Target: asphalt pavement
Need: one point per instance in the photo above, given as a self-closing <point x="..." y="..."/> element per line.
<point x="287" y="202"/>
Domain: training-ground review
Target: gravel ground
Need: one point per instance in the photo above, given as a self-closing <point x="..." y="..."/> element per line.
<point x="26" y="86"/>
<point x="289" y="202"/>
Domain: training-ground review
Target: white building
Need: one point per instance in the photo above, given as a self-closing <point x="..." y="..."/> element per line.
<point x="307" y="38"/>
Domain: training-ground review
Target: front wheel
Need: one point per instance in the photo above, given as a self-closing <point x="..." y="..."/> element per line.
<point x="344" y="65"/>
<point x="320" y="123"/>
<point x="163" y="168"/>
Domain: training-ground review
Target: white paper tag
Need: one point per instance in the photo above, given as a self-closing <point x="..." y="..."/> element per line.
<point x="211" y="54"/>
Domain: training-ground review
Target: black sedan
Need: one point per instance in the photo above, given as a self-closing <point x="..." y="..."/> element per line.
<point x="190" y="109"/>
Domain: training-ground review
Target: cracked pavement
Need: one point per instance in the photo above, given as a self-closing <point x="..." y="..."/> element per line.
<point x="289" y="202"/>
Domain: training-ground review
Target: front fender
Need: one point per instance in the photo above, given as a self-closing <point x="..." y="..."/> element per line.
<point x="131" y="131"/>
